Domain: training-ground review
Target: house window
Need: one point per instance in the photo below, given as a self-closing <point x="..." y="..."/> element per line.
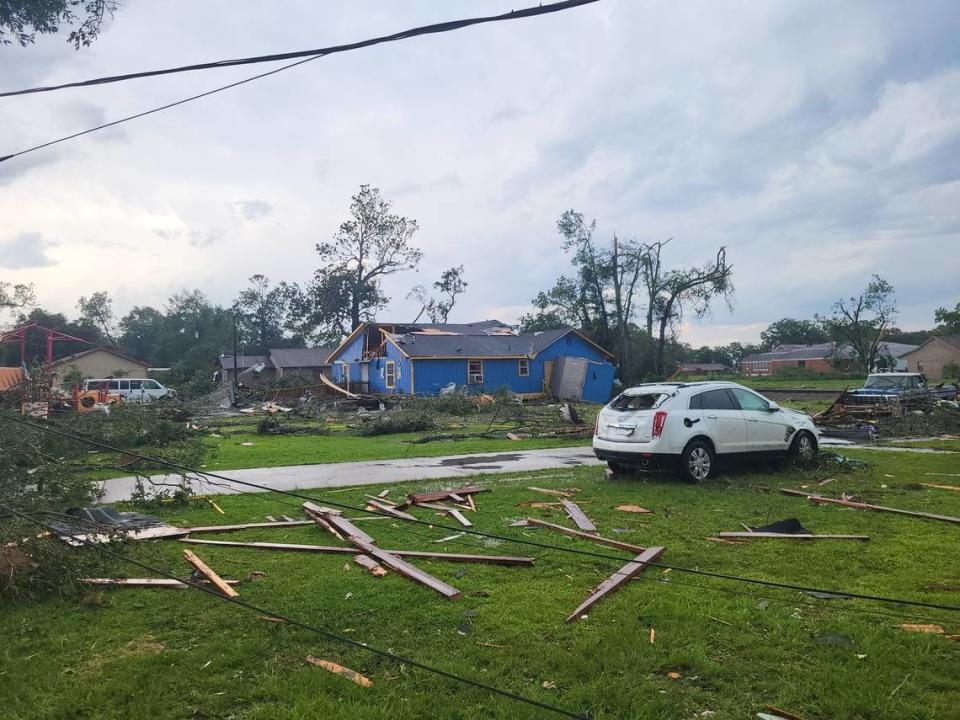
<point x="390" y="375"/>
<point x="524" y="367"/>
<point x="475" y="372"/>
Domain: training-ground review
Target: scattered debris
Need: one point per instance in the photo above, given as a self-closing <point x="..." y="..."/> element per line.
<point x="866" y="506"/>
<point x="779" y="713"/>
<point x="370" y="564"/>
<point x="390" y="510"/>
<point x="757" y="535"/>
<point x="449" y="538"/>
<point x="569" y="493"/>
<point x="632" y="509"/>
<point x="207" y="572"/>
<point x="674" y="675"/>
<point x="653" y="636"/>
<point x="585" y="536"/>
<point x="383" y="493"/>
<point x="356" y="537"/>
<point x="242" y="526"/>
<point x="328" y="549"/>
<point x="351" y="675"/>
<point x="459" y="517"/>
<point x="455" y="494"/>
<point x="922" y="628"/>
<point x="167" y="583"/>
<point x="579" y="518"/>
<point x="826" y="482"/>
<point x="942" y="487"/>
<point x="611" y="584"/>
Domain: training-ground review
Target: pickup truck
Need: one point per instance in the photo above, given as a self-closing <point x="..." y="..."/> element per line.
<point x="898" y="387"/>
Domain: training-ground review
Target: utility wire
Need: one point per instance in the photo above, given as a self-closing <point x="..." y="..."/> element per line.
<point x="304" y="55"/>
<point x="494" y="536"/>
<point x="312" y="628"/>
<point x="319" y="52"/>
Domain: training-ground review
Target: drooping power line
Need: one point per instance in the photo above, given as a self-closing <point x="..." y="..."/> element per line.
<point x="304" y="56"/>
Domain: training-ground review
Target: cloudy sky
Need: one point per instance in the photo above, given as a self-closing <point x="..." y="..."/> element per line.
<point x="818" y="141"/>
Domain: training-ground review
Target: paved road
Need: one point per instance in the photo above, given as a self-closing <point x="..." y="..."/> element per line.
<point x="375" y="472"/>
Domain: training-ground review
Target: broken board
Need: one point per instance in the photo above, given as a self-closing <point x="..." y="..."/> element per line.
<point x="613" y="583"/>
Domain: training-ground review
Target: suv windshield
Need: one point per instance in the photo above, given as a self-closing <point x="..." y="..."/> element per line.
<point x="890" y="381"/>
<point x="625" y="402"/>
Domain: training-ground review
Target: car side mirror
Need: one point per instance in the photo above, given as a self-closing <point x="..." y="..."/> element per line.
<point x="773" y="407"/>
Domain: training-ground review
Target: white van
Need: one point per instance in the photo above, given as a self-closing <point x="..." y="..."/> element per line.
<point x="131" y="389"/>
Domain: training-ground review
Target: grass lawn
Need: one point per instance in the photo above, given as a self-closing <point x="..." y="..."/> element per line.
<point x="184" y="655"/>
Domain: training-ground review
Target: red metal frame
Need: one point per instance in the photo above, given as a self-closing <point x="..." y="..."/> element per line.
<point x="20" y="335"/>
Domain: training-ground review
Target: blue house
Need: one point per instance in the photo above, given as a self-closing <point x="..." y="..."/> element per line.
<point x="422" y="359"/>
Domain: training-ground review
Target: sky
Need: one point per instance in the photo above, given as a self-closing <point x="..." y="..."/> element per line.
<point x="819" y="142"/>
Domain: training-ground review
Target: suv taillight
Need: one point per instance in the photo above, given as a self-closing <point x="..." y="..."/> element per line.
<point x="596" y="425"/>
<point x="658" y="422"/>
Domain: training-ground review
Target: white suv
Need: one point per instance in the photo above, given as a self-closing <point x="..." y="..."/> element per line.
<point x="687" y="425"/>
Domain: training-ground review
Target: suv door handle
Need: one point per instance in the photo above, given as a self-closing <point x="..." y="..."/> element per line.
<point x="711" y="417"/>
<point x="751" y="419"/>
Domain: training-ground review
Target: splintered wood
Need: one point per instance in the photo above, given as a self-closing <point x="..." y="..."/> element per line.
<point x="613" y="583"/>
<point x="335" y="550"/>
<point x="332" y="667"/>
<point x="359" y="539"/>
<point x="579" y="518"/>
<point x="218" y="582"/>
<point x="585" y="536"/>
<point x="818" y="499"/>
<point x="456" y="494"/>
<point x="370" y="564"/>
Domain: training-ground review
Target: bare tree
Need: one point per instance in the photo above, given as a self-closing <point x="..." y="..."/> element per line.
<point x="694" y="286"/>
<point x="450" y="284"/>
<point x="861" y="321"/>
<point x="373" y="244"/>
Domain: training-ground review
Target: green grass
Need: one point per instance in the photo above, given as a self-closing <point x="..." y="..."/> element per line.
<point x="168" y="654"/>
<point x="760" y="383"/>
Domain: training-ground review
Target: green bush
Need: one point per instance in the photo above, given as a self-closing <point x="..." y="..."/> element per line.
<point x="951" y="371"/>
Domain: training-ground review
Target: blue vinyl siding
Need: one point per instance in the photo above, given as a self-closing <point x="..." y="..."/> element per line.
<point x="351" y="354"/>
<point x="378" y="372"/>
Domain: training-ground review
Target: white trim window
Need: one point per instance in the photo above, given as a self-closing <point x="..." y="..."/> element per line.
<point x="523" y="367"/>
<point x="475" y="372"/>
<point x="390" y="375"/>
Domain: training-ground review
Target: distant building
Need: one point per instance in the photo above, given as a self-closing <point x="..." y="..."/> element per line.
<point x="822" y="358"/>
<point x="703" y="369"/>
<point x="425" y="358"/>
<point x="100" y="362"/>
<point x="931" y="357"/>
<point x="11" y="378"/>
<point x="305" y="364"/>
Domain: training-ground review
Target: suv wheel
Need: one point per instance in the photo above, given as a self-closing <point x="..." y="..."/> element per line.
<point x="803" y="447"/>
<point x="696" y="462"/>
<point x="616" y="467"/>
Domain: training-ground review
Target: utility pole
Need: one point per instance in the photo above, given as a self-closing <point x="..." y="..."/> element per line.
<point x="236" y="369"/>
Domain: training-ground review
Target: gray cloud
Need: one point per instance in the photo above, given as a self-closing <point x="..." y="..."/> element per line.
<point x="26" y="250"/>
<point x="251" y="210"/>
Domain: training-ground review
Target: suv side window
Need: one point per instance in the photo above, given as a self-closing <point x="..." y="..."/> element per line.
<point x="749" y="401"/>
<point x="136" y="384"/>
<point x="151" y="384"/>
<point x="712" y="400"/>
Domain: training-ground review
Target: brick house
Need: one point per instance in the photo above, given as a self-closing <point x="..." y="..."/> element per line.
<point x="824" y="358"/>
<point x="931" y="357"/>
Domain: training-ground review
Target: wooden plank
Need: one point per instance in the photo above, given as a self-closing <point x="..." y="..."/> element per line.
<point x="245" y="526"/>
<point x="867" y="506"/>
<point x="459" y="517"/>
<point x="322" y="517"/>
<point x="206" y="571"/>
<point x="365" y="561"/>
<point x="578" y="516"/>
<point x="399" y="565"/>
<point x="586" y="536"/>
<point x="392" y="511"/>
<point x="789" y="536"/>
<point x="335" y="550"/>
<point x="445" y="494"/>
<point x="433" y="506"/>
<point x="942" y="487"/>
<point x="548" y="491"/>
<point x="167" y="583"/>
<point x="613" y="583"/>
<point x="352" y="675"/>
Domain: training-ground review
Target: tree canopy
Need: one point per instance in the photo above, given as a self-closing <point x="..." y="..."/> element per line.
<point x="21" y="20"/>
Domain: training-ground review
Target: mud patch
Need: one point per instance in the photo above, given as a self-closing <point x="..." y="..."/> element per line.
<point x="480" y="459"/>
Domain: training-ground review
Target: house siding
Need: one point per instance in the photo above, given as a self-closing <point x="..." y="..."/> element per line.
<point x="378" y="372"/>
<point x="101" y="364"/>
<point x="930" y="358"/>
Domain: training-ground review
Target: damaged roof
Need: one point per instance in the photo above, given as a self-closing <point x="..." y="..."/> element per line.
<point x="417" y="345"/>
<point x="10" y="377"/>
<point x="243" y="361"/>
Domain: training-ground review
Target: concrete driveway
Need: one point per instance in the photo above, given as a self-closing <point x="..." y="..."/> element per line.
<point x="373" y="472"/>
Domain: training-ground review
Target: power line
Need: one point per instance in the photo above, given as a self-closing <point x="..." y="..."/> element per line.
<point x="433" y="29"/>
<point x="314" y="629"/>
<point x="306" y="55"/>
<point x="493" y="536"/>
